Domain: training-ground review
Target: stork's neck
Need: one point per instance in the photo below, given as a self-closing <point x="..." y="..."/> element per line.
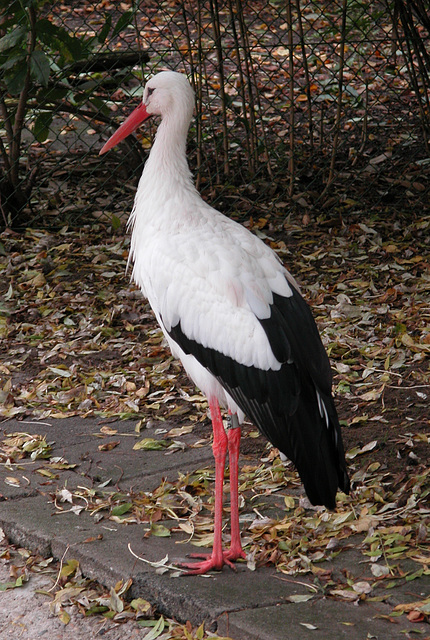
<point x="166" y="179"/>
<point x="167" y="165"/>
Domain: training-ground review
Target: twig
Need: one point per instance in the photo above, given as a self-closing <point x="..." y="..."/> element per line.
<point x="199" y="94"/>
<point x="249" y="137"/>
<point x="322" y="125"/>
<point x="22" y="103"/>
<point x="414" y="39"/>
<point x="214" y="9"/>
<point x="59" y="570"/>
<point x="142" y="57"/>
<point x="160" y="564"/>
<point x="291" y="95"/>
<point x="339" y="99"/>
<point x="365" y="123"/>
<point x="311" y="587"/>
<point x="110" y="60"/>
<point x="196" y="82"/>
<point x="3" y="214"/>
<point x="307" y="76"/>
<point x="406" y="388"/>
<point x="6" y="121"/>
<point x="252" y="81"/>
<point x="5" y="156"/>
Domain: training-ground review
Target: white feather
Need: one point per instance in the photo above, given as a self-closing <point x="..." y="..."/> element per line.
<point x="196" y="266"/>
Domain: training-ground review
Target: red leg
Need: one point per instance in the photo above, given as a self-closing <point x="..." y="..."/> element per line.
<point x="235" y="550"/>
<point x="217" y="559"/>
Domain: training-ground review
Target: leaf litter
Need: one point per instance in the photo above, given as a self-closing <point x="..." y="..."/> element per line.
<point x="78" y="339"/>
<point x="70" y="589"/>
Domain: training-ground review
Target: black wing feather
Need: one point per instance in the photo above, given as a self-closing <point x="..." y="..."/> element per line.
<point x="283" y="404"/>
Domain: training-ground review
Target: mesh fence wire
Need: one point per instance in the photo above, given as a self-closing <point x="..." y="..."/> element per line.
<point x="306" y="107"/>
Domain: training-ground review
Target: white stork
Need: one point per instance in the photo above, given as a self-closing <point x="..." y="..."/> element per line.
<point x="232" y="314"/>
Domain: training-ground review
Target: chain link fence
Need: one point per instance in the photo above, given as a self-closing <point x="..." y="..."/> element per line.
<point x="304" y="107"/>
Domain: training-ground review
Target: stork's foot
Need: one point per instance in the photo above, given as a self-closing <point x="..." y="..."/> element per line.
<point x="210" y="562"/>
<point x="235" y="553"/>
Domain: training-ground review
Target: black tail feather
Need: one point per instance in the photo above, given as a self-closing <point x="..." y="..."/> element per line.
<point x="292" y="406"/>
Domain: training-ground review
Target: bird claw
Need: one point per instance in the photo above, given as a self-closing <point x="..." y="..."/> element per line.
<point x="234" y="555"/>
<point x="209" y="563"/>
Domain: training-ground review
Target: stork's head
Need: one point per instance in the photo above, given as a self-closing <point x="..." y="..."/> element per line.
<point x="167" y="94"/>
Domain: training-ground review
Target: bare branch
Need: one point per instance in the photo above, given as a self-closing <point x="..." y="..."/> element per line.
<point x="339" y="98"/>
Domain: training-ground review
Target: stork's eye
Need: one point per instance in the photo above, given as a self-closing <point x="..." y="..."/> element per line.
<point x="150" y="91"/>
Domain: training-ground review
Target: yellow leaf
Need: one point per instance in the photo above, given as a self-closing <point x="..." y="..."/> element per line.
<point x="69" y="568"/>
<point x="12" y="482"/>
<point x="64" y="616"/>
<point x="289" y="502"/>
<point x="116" y="604"/>
<point x="37" y="281"/>
<point x="108" y="431"/>
<point x="373" y="394"/>
<point x="179" y="431"/>
<point x="412" y="605"/>
<point x="108" y="446"/>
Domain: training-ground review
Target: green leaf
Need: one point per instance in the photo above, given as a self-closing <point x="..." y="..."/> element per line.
<point x="71" y="48"/>
<point x="15" y="82"/>
<point x="415" y="575"/>
<point x="116" y="604"/>
<point x="160" y="531"/>
<point x="58" y="39"/>
<point x="105" y="30"/>
<point x="122" y="23"/>
<point x="120" y="509"/>
<point x="15" y="7"/>
<point x="13" y="60"/>
<point x="13" y="38"/>
<point x="299" y="598"/>
<point x="39" y="65"/>
<point x="69" y="568"/>
<point x="100" y="105"/>
<point x="96" y="609"/>
<point x="116" y="222"/>
<point x="41" y="125"/>
<point x="140" y="605"/>
<point x="64" y="616"/>
<point x="5" y="586"/>
<point x="150" y="444"/>
<point x="48" y="32"/>
<point x="157" y="630"/>
<point x="50" y="95"/>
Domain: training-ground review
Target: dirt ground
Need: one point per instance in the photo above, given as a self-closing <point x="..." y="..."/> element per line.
<point x="78" y="339"/>
<point x="25" y="615"/>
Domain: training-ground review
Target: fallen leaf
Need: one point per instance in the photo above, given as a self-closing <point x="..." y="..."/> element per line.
<point x="108" y="446"/>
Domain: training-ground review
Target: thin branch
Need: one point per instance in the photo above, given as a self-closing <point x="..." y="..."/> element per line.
<point x="242" y="92"/>
<point x="249" y="80"/>
<point x="6" y="120"/>
<point x="307" y="75"/>
<point x="414" y="41"/>
<point x="291" y="95"/>
<point x="196" y="84"/>
<point x="3" y="214"/>
<point x="339" y="98"/>
<point x="252" y="82"/>
<point x="364" y="134"/>
<point x="199" y="94"/>
<point x="214" y="9"/>
<point x="4" y="155"/>
<point x="22" y="103"/>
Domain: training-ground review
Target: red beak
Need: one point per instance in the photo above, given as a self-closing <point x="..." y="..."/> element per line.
<point x="135" y="118"/>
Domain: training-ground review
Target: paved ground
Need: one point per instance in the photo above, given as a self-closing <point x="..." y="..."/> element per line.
<point x="245" y="605"/>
